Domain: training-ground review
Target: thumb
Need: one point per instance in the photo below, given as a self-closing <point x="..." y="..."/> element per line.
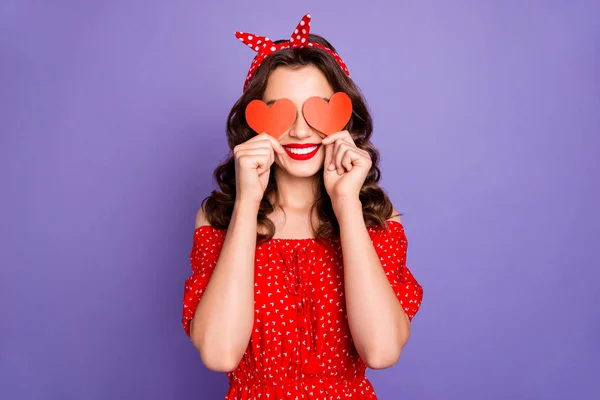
<point x="261" y="167"/>
<point x="328" y="155"/>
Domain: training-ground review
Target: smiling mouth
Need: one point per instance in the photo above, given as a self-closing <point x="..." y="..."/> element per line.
<point x="304" y="150"/>
<point x="301" y="153"/>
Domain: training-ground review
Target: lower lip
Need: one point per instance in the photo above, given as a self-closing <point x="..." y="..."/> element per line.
<point x="302" y="157"/>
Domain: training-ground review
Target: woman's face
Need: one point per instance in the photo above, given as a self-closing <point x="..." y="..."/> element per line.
<point x="304" y="153"/>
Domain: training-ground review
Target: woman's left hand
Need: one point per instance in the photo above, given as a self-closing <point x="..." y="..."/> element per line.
<point x="346" y="166"/>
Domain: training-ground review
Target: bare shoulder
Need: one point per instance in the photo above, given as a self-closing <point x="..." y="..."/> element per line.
<point x="201" y="218"/>
<point x="395" y="216"/>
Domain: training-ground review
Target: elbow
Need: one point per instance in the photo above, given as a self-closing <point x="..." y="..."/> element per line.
<point x="216" y="359"/>
<point x="387" y="355"/>
<point x="383" y="359"/>
<point x="214" y="356"/>
<point x="219" y="364"/>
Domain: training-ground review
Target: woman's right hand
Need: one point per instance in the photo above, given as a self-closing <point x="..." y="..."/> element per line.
<point x="253" y="160"/>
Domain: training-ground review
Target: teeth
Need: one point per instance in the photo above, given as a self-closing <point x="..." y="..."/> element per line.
<point x="301" y="151"/>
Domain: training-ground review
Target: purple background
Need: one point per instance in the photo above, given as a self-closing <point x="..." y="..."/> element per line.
<point x="112" y="119"/>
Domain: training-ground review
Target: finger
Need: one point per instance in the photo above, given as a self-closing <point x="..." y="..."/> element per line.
<point x="350" y="156"/>
<point x="346" y="157"/>
<point x="247" y="157"/>
<point x="256" y="144"/>
<point x="259" y="144"/>
<point x="261" y="151"/>
<point x="277" y="147"/>
<point x="338" y="143"/>
<point x="263" y="165"/>
<point x="343" y="135"/>
<point x="328" y="164"/>
<point x="341" y="150"/>
<point x="274" y="143"/>
<point x="256" y="138"/>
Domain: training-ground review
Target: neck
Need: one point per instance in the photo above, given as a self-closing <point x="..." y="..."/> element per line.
<point x="295" y="192"/>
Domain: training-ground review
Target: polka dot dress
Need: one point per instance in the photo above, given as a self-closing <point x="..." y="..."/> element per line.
<point x="300" y="347"/>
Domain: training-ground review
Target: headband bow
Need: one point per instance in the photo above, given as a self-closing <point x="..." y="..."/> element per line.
<point x="265" y="46"/>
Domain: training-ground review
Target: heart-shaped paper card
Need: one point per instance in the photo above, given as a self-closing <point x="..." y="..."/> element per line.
<point x="328" y="117"/>
<point x="274" y="120"/>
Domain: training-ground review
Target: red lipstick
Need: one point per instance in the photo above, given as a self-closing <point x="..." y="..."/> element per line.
<point x="301" y="155"/>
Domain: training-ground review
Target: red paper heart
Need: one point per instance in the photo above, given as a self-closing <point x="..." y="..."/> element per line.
<point x="327" y="117"/>
<point x="274" y="120"/>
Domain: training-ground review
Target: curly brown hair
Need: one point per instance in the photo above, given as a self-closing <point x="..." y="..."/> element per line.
<point x="376" y="205"/>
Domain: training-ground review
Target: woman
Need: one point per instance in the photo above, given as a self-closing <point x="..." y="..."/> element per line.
<point x="299" y="279"/>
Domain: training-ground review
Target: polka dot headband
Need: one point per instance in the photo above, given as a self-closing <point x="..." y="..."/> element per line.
<point x="265" y="46"/>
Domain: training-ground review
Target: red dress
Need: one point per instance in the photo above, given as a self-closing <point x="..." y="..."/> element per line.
<point x="301" y="346"/>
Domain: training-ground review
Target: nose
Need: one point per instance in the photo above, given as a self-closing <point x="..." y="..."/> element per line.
<point x="300" y="129"/>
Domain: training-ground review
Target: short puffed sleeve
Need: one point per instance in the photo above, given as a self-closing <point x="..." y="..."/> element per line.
<point x="206" y="247"/>
<point x="391" y="247"/>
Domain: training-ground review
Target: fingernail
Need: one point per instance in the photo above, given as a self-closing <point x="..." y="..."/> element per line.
<point x="331" y="167"/>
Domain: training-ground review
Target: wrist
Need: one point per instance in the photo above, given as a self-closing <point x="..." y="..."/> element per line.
<point x="245" y="206"/>
<point x="346" y="206"/>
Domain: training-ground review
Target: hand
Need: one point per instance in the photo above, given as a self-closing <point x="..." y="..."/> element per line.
<point x="346" y="166"/>
<point x="253" y="160"/>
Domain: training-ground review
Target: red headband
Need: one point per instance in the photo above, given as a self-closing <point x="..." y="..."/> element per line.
<point x="265" y="46"/>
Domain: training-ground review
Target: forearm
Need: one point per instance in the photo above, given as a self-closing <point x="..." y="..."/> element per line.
<point x="378" y="324"/>
<point x="223" y="321"/>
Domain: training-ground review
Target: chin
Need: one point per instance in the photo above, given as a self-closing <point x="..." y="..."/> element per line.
<point x="304" y="173"/>
<point x="303" y="169"/>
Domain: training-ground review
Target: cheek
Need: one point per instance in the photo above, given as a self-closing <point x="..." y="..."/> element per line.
<point x="319" y="158"/>
<point x="321" y="154"/>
